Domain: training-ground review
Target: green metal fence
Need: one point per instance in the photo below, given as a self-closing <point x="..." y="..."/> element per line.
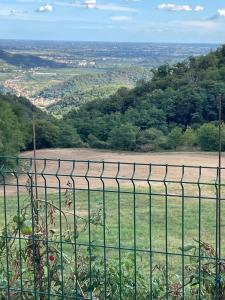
<point x="110" y="230"/>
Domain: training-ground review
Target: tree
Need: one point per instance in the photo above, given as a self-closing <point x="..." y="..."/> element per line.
<point x="47" y="134"/>
<point x="149" y="139"/>
<point x="123" y="137"/>
<point x="190" y="138"/>
<point x="175" y="138"/>
<point x="94" y="142"/>
<point x="68" y="137"/>
<point x="12" y="139"/>
<point x="208" y="138"/>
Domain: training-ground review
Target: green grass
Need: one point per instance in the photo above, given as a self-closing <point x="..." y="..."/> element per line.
<point x="147" y="213"/>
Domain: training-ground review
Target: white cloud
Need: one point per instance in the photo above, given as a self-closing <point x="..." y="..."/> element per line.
<point x="121" y="18"/>
<point x="174" y="7"/>
<point x="115" y="7"/>
<point x="45" y="8"/>
<point x="11" y="12"/>
<point x="221" y="12"/>
<point x="199" y="8"/>
<point x="90" y="3"/>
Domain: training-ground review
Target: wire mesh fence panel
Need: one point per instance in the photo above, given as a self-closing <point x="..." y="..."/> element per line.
<point x="110" y="230"/>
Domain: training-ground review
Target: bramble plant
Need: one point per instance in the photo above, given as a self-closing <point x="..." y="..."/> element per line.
<point x="34" y="245"/>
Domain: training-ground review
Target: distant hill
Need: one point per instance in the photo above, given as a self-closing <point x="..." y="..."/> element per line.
<point x="28" y="61"/>
<point x="87" y="87"/>
<point x="179" y="98"/>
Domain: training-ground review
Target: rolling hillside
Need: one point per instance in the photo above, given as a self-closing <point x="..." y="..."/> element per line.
<point x="88" y="87"/>
<point x="176" y="110"/>
<point x="178" y="107"/>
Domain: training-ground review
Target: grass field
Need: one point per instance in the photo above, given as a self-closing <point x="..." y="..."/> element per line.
<point x="127" y="222"/>
<point x="132" y="221"/>
<point x="148" y="212"/>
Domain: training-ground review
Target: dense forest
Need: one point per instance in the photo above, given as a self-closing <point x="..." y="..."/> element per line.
<point x="16" y="115"/>
<point x="176" y="110"/>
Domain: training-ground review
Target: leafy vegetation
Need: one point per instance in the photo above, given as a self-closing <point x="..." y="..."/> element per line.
<point x="176" y="109"/>
<point x="16" y="116"/>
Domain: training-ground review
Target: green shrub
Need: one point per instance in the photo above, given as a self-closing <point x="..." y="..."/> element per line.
<point x="123" y="137"/>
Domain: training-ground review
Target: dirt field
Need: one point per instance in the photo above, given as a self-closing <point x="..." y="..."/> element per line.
<point x="140" y="171"/>
<point x="95" y="169"/>
<point x="177" y="158"/>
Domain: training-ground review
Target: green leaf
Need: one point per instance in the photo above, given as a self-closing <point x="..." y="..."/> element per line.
<point x="187" y="247"/>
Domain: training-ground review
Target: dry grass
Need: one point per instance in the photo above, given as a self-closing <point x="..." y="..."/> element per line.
<point x="68" y="172"/>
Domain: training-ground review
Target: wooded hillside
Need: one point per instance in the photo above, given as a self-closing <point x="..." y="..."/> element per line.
<point x="16" y="115"/>
<point x="176" y="108"/>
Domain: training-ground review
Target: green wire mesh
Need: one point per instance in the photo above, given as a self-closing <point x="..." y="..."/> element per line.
<point x="80" y="229"/>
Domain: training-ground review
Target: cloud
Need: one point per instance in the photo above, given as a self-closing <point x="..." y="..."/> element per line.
<point x="45" y="8"/>
<point x="15" y="12"/>
<point x="174" y="7"/>
<point x="115" y="7"/>
<point x="199" y="8"/>
<point x="121" y="18"/>
<point x="221" y="12"/>
<point x="90" y="3"/>
<point x="11" y="12"/>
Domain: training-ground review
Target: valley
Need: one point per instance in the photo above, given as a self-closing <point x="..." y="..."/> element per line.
<point x="60" y="76"/>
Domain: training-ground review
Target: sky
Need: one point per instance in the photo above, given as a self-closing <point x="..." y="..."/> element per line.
<point x="190" y="21"/>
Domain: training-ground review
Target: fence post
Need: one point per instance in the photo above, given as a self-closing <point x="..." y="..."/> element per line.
<point x="218" y="204"/>
<point x="37" y="253"/>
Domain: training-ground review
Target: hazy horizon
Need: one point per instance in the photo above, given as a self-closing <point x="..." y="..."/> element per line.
<point x="109" y="42"/>
<point x="141" y="21"/>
